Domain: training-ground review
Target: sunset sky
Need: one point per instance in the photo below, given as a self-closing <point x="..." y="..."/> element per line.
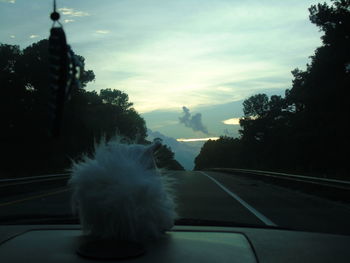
<point x="206" y="55"/>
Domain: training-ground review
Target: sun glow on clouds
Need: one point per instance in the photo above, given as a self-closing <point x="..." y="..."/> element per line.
<point x="232" y="121"/>
<point x="166" y="54"/>
<point x="197" y="139"/>
<point x="216" y="54"/>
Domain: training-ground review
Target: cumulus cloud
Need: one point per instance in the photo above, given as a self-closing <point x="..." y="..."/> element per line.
<point x="192" y="121"/>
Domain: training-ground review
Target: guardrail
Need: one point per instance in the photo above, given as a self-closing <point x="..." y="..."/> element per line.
<point x="285" y="176"/>
<point x="15" y="186"/>
<point x="31" y="178"/>
<point x="332" y="188"/>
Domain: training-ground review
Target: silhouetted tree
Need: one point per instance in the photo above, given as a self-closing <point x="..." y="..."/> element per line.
<point x="24" y="134"/>
<point x="256" y="106"/>
<point x="165" y="158"/>
<point x="307" y="130"/>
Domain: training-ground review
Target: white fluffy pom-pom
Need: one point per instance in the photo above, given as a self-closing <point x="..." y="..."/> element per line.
<point x="120" y="194"/>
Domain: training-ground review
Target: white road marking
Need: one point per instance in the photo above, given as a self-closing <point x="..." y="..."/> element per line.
<point x="259" y="215"/>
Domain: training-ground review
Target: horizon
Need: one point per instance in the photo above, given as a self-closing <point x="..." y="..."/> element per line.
<point x="205" y="56"/>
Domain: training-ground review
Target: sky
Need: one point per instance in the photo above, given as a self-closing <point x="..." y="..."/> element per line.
<point x="203" y="57"/>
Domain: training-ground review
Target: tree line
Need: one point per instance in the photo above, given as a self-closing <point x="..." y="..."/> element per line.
<point x="306" y="130"/>
<point x="26" y="145"/>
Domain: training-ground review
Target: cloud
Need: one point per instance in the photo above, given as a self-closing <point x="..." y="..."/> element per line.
<point x="194" y="122"/>
<point x="183" y="55"/>
<point x="68" y="20"/>
<point x="197" y="139"/>
<point x="72" y="12"/>
<point x="102" y="31"/>
<point x="33" y="36"/>
<point x="232" y="121"/>
<point x="184" y="153"/>
<point x="164" y="124"/>
<point x="12" y="36"/>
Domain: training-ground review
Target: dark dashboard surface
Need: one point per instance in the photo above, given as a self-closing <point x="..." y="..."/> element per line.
<point x="57" y="243"/>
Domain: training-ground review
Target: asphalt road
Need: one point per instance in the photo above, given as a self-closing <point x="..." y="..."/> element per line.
<point x="212" y="196"/>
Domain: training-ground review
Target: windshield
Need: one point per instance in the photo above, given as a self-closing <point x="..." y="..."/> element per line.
<point x="245" y="98"/>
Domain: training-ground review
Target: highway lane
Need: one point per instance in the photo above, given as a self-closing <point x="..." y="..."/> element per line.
<point x="215" y="196"/>
<point x="289" y="208"/>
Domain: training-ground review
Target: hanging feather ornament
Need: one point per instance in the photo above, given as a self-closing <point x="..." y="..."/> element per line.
<point x="64" y="72"/>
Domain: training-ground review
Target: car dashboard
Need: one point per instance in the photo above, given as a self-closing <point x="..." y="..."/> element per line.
<point x="59" y="243"/>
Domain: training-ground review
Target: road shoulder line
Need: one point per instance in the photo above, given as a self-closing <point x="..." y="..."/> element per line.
<point x="259" y="215"/>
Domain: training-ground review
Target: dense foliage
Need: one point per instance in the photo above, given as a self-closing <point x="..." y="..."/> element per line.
<point x="165" y="158"/>
<point x="27" y="148"/>
<point x="305" y="131"/>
